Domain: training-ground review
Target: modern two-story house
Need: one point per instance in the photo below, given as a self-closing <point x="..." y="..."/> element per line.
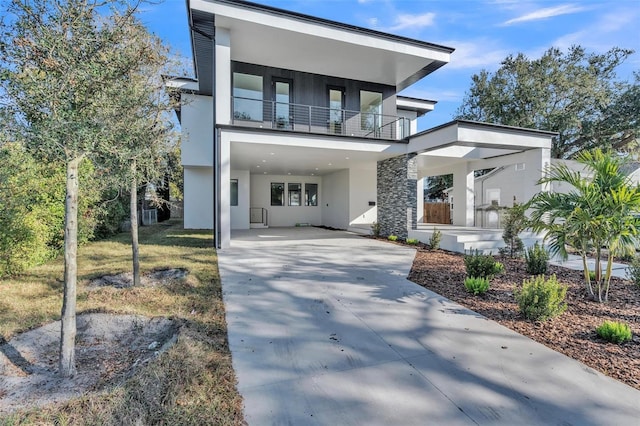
<point x="294" y="119"/>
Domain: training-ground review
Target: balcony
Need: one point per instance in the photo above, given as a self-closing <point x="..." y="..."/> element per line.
<point x="314" y="119"/>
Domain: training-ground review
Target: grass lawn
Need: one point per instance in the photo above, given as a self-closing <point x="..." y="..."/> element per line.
<point x="191" y="383"/>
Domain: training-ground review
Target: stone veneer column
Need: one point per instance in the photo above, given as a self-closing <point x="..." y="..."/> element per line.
<point x="397" y="195"/>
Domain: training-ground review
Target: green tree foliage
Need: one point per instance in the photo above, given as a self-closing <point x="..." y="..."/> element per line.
<point x="30" y="212"/>
<point x="436" y="185"/>
<point x="60" y="59"/>
<point x="598" y="213"/>
<point x="575" y="94"/>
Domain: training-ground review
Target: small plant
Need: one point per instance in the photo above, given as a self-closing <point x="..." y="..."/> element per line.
<point x="476" y="285"/>
<point x="376" y="229"/>
<point x="515" y="222"/>
<point x="434" y="240"/>
<point x="633" y="271"/>
<point x="540" y="299"/>
<point x="412" y="241"/>
<point x="392" y="238"/>
<point x="592" y="275"/>
<point x="536" y="258"/>
<point x="482" y="265"/>
<point x="614" y="332"/>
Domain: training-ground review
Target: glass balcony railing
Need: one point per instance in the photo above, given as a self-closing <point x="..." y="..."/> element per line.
<point x="314" y="119"/>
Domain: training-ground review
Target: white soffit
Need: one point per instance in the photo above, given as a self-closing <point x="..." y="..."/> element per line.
<point x="464" y="139"/>
<point x="267" y="37"/>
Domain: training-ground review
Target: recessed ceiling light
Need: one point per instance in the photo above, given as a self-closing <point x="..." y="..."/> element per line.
<point x="316" y="168"/>
<point x="330" y="164"/>
<point x="312" y="174"/>
<point x="265" y="173"/>
<point x="271" y="153"/>
<point x="288" y="173"/>
<point x="258" y="166"/>
<point x="346" y="158"/>
<point x="264" y="161"/>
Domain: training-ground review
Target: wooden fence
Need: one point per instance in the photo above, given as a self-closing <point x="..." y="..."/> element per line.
<point x="437" y="213"/>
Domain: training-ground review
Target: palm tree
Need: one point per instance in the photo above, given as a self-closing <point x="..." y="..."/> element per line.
<point x="597" y="213"/>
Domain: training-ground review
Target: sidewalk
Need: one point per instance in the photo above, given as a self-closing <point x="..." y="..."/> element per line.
<point x="575" y="262"/>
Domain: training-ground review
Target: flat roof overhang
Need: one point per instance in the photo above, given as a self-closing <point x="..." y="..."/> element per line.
<point x="278" y="38"/>
<point x="472" y="140"/>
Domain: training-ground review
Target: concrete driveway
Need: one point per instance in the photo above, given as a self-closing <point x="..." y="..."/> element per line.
<point x="325" y="329"/>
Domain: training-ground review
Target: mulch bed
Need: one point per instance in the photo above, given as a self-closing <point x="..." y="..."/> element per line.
<point x="572" y="333"/>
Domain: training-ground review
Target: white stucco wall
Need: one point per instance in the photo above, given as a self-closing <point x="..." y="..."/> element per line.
<point x="197" y="130"/>
<point x="335" y="199"/>
<point x="286" y="215"/>
<point x="240" y="213"/>
<point x="362" y="190"/>
<point x="198" y="197"/>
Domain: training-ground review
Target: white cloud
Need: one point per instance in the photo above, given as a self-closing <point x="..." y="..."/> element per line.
<point x="547" y="12"/>
<point x="408" y="21"/>
<point x="477" y="54"/>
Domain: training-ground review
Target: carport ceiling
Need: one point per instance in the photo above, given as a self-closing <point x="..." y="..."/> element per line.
<point x="299" y="161"/>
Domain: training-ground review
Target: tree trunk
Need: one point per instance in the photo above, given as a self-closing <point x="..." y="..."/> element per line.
<point x="134" y="224"/>
<point x="67" y="361"/>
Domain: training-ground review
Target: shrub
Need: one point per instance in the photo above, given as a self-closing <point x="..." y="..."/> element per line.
<point x="615" y="332"/>
<point x="536" y="258"/>
<point x="540" y="299"/>
<point x="393" y="238"/>
<point x="633" y="272"/>
<point x="476" y="285"/>
<point x="434" y="241"/>
<point x="412" y="241"/>
<point x="482" y="265"/>
<point x="515" y="222"/>
<point x="376" y="229"/>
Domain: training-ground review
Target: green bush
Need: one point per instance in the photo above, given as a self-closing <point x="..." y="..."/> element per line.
<point x="515" y="221"/>
<point x="376" y="229"/>
<point x="633" y="272"/>
<point x="615" y="332"/>
<point x="392" y="238"/>
<point x="412" y="241"/>
<point x="482" y="265"/>
<point x="434" y="240"/>
<point x="476" y="285"/>
<point x="536" y="258"/>
<point x="540" y="299"/>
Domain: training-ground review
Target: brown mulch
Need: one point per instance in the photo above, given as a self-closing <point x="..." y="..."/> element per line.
<point x="572" y="333"/>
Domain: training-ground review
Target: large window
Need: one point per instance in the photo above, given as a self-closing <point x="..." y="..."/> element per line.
<point x="371" y="110"/>
<point x="247" y="97"/>
<point x="234" y="192"/>
<point x="310" y="194"/>
<point x="277" y="194"/>
<point x="295" y="194"/>
<point x="336" y="107"/>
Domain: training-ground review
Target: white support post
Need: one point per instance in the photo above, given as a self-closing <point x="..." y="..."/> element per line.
<point x="463" y="195"/>
<point x="420" y="198"/>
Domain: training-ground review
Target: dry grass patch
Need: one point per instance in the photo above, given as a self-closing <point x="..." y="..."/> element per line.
<point x="191" y="383"/>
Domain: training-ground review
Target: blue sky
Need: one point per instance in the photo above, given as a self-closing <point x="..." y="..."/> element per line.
<point x="482" y="32"/>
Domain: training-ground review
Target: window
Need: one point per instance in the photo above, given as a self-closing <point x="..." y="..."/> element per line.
<point x="295" y="194"/>
<point x="336" y="113"/>
<point x="234" y="192"/>
<point x="277" y="194"/>
<point x="310" y="194"/>
<point x="370" y="110"/>
<point x="493" y="196"/>
<point x="247" y="97"/>
<point x="282" y="98"/>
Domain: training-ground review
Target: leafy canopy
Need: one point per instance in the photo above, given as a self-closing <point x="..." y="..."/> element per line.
<point x="575" y="94"/>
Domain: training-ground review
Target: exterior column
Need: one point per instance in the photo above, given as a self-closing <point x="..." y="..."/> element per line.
<point x="222" y="94"/>
<point x="463" y="195"/>
<point x="420" y="200"/>
<point x="397" y="195"/>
